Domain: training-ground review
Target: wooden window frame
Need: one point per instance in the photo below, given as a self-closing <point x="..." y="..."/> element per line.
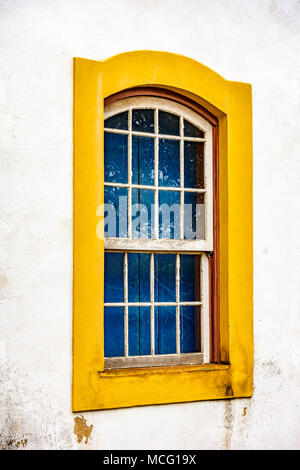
<point x="213" y="262"/>
<point x="230" y="103"/>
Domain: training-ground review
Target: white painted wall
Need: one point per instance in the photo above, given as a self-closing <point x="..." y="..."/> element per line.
<point x="248" y="40"/>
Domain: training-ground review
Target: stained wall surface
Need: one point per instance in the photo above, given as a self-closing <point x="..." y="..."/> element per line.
<point x="243" y="40"/>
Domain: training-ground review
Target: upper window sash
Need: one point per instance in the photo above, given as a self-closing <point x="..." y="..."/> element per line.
<point x="184" y="113"/>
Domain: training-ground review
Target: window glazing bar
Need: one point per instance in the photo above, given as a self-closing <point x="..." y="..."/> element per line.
<point x="160" y="188"/>
<point x="125" y="275"/>
<point x="154" y="134"/>
<point x="156" y="201"/>
<point x="177" y="305"/>
<point x="129" y="163"/>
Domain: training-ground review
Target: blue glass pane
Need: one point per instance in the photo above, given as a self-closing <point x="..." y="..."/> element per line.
<point x="194" y="216"/>
<point x="165" y="330"/>
<point x="113" y="277"/>
<point x="143" y="160"/>
<point x="143" y="120"/>
<point x="193" y="165"/>
<point x="138" y="277"/>
<point x="169" y="214"/>
<point x="116" y="209"/>
<point x="192" y="131"/>
<point x="113" y="331"/>
<point x="169" y="163"/>
<point x="145" y="331"/>
<point x="139" y="331"/>
<point x="164" y="277"/>
<point x="189" y="278"/>
<point x="189" y="329"/>
<point x="115" y="157"/>
<point x="168" y="123"/>
<point x="133" y="331"/>
<point x="142" y="223"/>
<point x="119" y="121"/>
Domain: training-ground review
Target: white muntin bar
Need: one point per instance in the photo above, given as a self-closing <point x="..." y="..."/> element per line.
<point x="161" y="188"/>
<point x="156" y="198"/>
<point x="152" y="303"/>
<point x="125" y="277"/>
<point x="205" y="334"/>
<point x="148" y="304"/>
<point x="181" y="180"/>
<point x="177" y="305"/>
<point x="129" y="157"/>
<point x="154" y="134"/>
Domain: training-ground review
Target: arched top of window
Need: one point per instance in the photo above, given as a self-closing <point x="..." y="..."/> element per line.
<point x="138" y="114"/>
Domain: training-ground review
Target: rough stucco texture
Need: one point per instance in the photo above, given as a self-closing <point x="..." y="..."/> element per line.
<point x="252" y="41"/>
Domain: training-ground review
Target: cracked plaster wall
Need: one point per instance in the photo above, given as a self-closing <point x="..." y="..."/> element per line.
<point x="246" y="40"/>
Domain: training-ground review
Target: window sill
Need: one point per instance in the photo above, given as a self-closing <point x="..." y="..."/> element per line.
<point x="163" y="370"/>
<point x="123" y="388"/>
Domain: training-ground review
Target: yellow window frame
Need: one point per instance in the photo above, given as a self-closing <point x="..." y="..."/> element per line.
<point x="231" y="102"/>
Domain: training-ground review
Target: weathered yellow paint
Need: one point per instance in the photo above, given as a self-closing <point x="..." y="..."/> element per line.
<point x="88" y="269"/>
<point x="94" y="388"/>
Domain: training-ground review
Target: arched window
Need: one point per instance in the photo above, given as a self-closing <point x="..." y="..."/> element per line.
<point x="158" y="228"/>
<point x="163" y="277"/>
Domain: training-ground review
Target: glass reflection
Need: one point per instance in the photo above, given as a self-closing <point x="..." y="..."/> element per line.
<point x="113" y="331"/>
<point x="192" y="131"/>
<point x="143" y="120"/>
<point x="169" y="163"/>
<point x="194" y="215"/>
<point x="115" y="157"/>
<point x="142" y="160"/>
<point x="118" y="121"/>
<point x="168" y="123"/>
<point x="193" y="164"/>
<point x="165" y="330"/>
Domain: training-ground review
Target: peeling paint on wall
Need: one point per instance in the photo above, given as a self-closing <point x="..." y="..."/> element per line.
<point x="228" y="423"/>
<point x="9" y="443"/>
<point x="271" y="368"/>
<point x="81" y="429"/>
